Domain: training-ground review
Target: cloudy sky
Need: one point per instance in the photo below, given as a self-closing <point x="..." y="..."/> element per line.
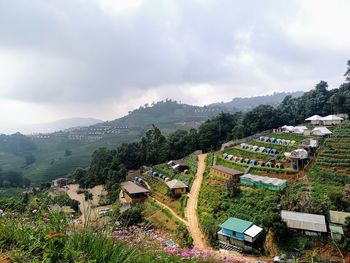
<point x="101" y="58"/>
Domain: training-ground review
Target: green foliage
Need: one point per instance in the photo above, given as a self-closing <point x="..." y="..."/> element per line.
<point x="13" y="179"/>
<point x="132" y="216"/>
<point x="279" y="229"/>
<point x="183" y="234"/>
<point x="233" y="188"/>
<point x="16" y="144"/>
<point x="217" y="130"/>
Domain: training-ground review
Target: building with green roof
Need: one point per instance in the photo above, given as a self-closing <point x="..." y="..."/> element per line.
<point x="237" y="234"/>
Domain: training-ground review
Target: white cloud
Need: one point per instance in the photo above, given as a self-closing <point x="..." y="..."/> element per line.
<point x="119" y="6"/>
<point x="322" y="24"/>
<point x="101" y="58"/>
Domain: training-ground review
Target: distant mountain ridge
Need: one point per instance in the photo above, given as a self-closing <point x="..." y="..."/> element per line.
<point x="49" y="127"/>
<point x="169" y="114"/>
<point x="247" y="103"/>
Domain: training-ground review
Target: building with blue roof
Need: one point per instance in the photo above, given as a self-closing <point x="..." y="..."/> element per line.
<point x="240" y="235"/>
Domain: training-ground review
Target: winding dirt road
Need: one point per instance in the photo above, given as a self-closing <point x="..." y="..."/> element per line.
<point x="191" y="209"/>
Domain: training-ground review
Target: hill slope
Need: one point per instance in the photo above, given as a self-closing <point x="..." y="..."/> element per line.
<point x="244" y="104"/>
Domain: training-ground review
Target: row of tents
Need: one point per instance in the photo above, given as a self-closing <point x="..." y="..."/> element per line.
<point x="327" y="120"/>
<point x="276" y="140"/>
<point x="256" y="148"/>
<point x="317" y="131"/>
<point x="238" y="159"/>
<point x="161" y="176"/>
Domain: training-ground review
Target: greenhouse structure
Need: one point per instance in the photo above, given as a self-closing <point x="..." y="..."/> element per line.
<point x="273" y="184"/>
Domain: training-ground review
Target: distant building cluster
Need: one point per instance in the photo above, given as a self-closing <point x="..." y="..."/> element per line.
<point x="90" y="133"/>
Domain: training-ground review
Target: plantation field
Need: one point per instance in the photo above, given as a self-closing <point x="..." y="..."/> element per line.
<point x="215" y="206"/>
<point x="336" y="154"/>
<point x="51" y="162"/>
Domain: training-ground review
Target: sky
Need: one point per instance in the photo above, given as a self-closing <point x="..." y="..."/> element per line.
<point x="101" y="58"/>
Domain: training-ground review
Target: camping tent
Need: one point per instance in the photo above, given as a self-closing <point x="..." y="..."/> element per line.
<point x="321" y="131"/>
<point x="315" y="119"/>
<point x="299" y="154"/>
<point x="331" y="120"/>
<point x="261" y="149"/>
<point x="287" y="129"/>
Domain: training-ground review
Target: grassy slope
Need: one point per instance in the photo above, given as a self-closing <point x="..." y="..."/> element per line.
<point x="50" y="160"/>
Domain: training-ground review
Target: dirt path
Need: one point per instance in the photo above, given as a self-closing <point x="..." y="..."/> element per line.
<point x="86" y="209"/>
<point x="170" y="210"/>
<point x="191" y="209"/>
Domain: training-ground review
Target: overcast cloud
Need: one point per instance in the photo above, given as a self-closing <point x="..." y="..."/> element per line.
<point x="101" y="58"/>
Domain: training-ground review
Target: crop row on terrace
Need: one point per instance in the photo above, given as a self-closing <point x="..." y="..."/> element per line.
<point x="336" y="155"/>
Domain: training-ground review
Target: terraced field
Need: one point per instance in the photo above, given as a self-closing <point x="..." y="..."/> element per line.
<point x="264" y="157"/>
<point x="336" y="154"/>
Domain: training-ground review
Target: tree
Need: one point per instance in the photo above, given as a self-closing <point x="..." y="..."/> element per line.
<point x="346" y="227"/>
<point x="132" y="216"/>
<point x="347" y="73"/>
<point x="279" y="229"/>
<point x="154" y="146"/>
<point x="233" y="188"/>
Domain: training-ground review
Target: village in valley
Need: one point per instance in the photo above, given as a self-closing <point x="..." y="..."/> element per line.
<point x="260" y="173"/>
<point x="198" y="131"/>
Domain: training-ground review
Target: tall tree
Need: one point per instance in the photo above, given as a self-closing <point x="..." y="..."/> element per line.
<point x="347" y="73"/>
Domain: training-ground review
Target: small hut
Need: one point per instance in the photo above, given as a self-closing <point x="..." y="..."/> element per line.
<point x="299" y="158"/>
<point x="176" y="188"/>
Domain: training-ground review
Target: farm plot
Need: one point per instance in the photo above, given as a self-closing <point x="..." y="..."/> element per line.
<point x="336" y="155"/>
<point x="159" y="191"/>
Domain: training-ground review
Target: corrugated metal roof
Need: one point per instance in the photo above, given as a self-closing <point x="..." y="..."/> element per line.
<point x="133" y="188"/>
<point x="253" y="231"/>
<point x="264" y="179"/>
<point x="304" y="221"/>
<point x="336" y="229"/>
<point x="337" y="217"/>
<point x="236" y="224"/>
<point x="173" y="184"/>
<point x="227" y="170"/>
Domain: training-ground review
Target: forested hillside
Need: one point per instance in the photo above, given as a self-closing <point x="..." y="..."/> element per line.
<point x="44" y="159"/>
<point x="248" y="103"/>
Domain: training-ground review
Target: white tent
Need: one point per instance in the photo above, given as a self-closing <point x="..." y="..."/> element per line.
<point x="287" y="128"/>
<point x="331" y="120"/>
<point x="299" y="129"/>
<point x="316" y="119"/>
<point x="320" y="131"/>
<point x="299" y="154"/>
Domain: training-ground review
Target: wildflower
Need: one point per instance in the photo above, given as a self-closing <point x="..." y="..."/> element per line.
<point x="59" y="234"/>
<point x="34" y="211"/>
<point x="52" y="234"/>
